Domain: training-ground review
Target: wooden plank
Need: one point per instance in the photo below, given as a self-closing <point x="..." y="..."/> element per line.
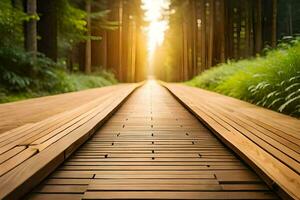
<point x="38" y="196"/>
<point x="25" y="176"/>
<point x="62" y="189"/>
<point x="150" y="152"/>
<point x="13" y="162"/>
<point x="68" y="181"/>
<point x="5" y="156"/>
<point x="220" y="121"/>
<point x="154" y="176"/>
<point x="177" y="195"/>
<point x="154" y="186"/>
<point x="155" y="181"/>
<point x="151" y="168"/>
<point x="17" y="113"/>
<point x="73" y="175"/>
<point x="249" y="187"/>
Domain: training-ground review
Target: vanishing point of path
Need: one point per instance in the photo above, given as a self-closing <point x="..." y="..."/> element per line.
<point x="153" y="148"/>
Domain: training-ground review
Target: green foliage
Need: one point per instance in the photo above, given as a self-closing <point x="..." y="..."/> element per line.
<point x="66" y="83"/>
<point x="81" y="81"/>
<point x="26" y="75"/>
<point x="11" y="24"/>
<point x="21" y="71"/>
<point x="108" y="75"/>
<point x="272" y="81"/>
<point x="71" y="26"/>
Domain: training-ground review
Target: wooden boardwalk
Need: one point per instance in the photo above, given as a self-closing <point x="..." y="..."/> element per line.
<point x="30" y="111"/>
<point x="266" y="140"/>
<point x="32" y="151"/>
<point x="153" y="148"/>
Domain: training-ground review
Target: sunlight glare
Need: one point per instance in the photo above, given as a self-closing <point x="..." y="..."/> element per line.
<point x="154" y="10"/>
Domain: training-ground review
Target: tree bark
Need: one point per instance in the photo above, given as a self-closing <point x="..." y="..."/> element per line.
<point x="238" y="31"/>
<point x="222" y="30"/>
<point x="30" y="32"/>
<point x="290" y="18"/>
<point x="211" y="33"/>
<point x="203" y="35"/>
<point x="258" y="27"/>
<point x="88" y="45"/>
<point x="114" y="40"/>
<point x="47" y="28"/>
<point x="274" y="23"/>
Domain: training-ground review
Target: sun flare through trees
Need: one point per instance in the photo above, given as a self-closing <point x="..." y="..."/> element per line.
<point x="158" y="24"/>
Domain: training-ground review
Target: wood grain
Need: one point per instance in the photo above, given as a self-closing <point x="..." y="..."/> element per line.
<point x="153" y="148"/>
<point x="266" y="140"/>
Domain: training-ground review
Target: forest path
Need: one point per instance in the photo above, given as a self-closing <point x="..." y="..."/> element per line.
<point x="153" y="148"/>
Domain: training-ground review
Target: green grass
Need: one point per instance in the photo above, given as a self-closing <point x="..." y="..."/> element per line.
<point x="272" y="81"/>
<point x="70" y="83"/>
<point x="82" y="81"/>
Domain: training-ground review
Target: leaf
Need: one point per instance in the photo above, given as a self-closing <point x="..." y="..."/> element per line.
<point x="286" y="104"/>
<point x="271" y="94"/>
<point x="100" y="14"/>
<point x="275" y="101"/>
<point x="292" y="86"/>
<point x="294" y="78"/>
<point x="292" y="94"/>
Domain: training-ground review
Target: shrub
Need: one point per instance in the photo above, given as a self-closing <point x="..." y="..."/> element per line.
<point x="23" y="72"/>
<point x="24" y="76"/>
<point x="81" y="81"/>
<point x="272" y="81"/>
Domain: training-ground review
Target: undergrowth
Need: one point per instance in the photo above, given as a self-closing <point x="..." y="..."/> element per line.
<point x="272" y="81"/>
<point x="24" y="76"/>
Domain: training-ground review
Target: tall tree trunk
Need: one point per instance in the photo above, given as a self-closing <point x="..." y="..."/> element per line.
<point x="222" y="30"/>
<point x="290" y="18"/>
<point x="229" y="29"/>
<point x="238" y="31"/>
<point x="185" y="51"/>
<point x="258" y="27"/>
<point x="120" y="34"/>
<point x="211" y="33"/>
<point x="274" y="23"/>
<point x="114" y="42"/>
<point x="203" y="35"/>
<point x="125" y="42"/>
<point x="48" y="18"/>
<point x="88" y="45"/>
<point x="198" y="38"/>
<point x="30" y="32"/>
<point x="133" y="51"/>
<point x="99" y="49"/>
<point x="248" y="29"/>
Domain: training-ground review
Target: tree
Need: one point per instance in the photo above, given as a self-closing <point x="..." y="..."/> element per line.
<point x="274" y="23"/>
<point x="207" y="32"/>
<point x="88" y="44"/>
<point x="48" y="28"/>
<point x="258" y="26"/>
<point x="30" y="33"/>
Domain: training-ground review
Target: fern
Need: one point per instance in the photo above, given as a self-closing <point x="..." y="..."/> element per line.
<point x="272" y="81"/>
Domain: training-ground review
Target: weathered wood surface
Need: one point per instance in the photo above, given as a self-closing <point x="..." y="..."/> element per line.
<point x="153" y="148"/>
<point x="31" y="152"/>
<point x="268" y="141"/>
